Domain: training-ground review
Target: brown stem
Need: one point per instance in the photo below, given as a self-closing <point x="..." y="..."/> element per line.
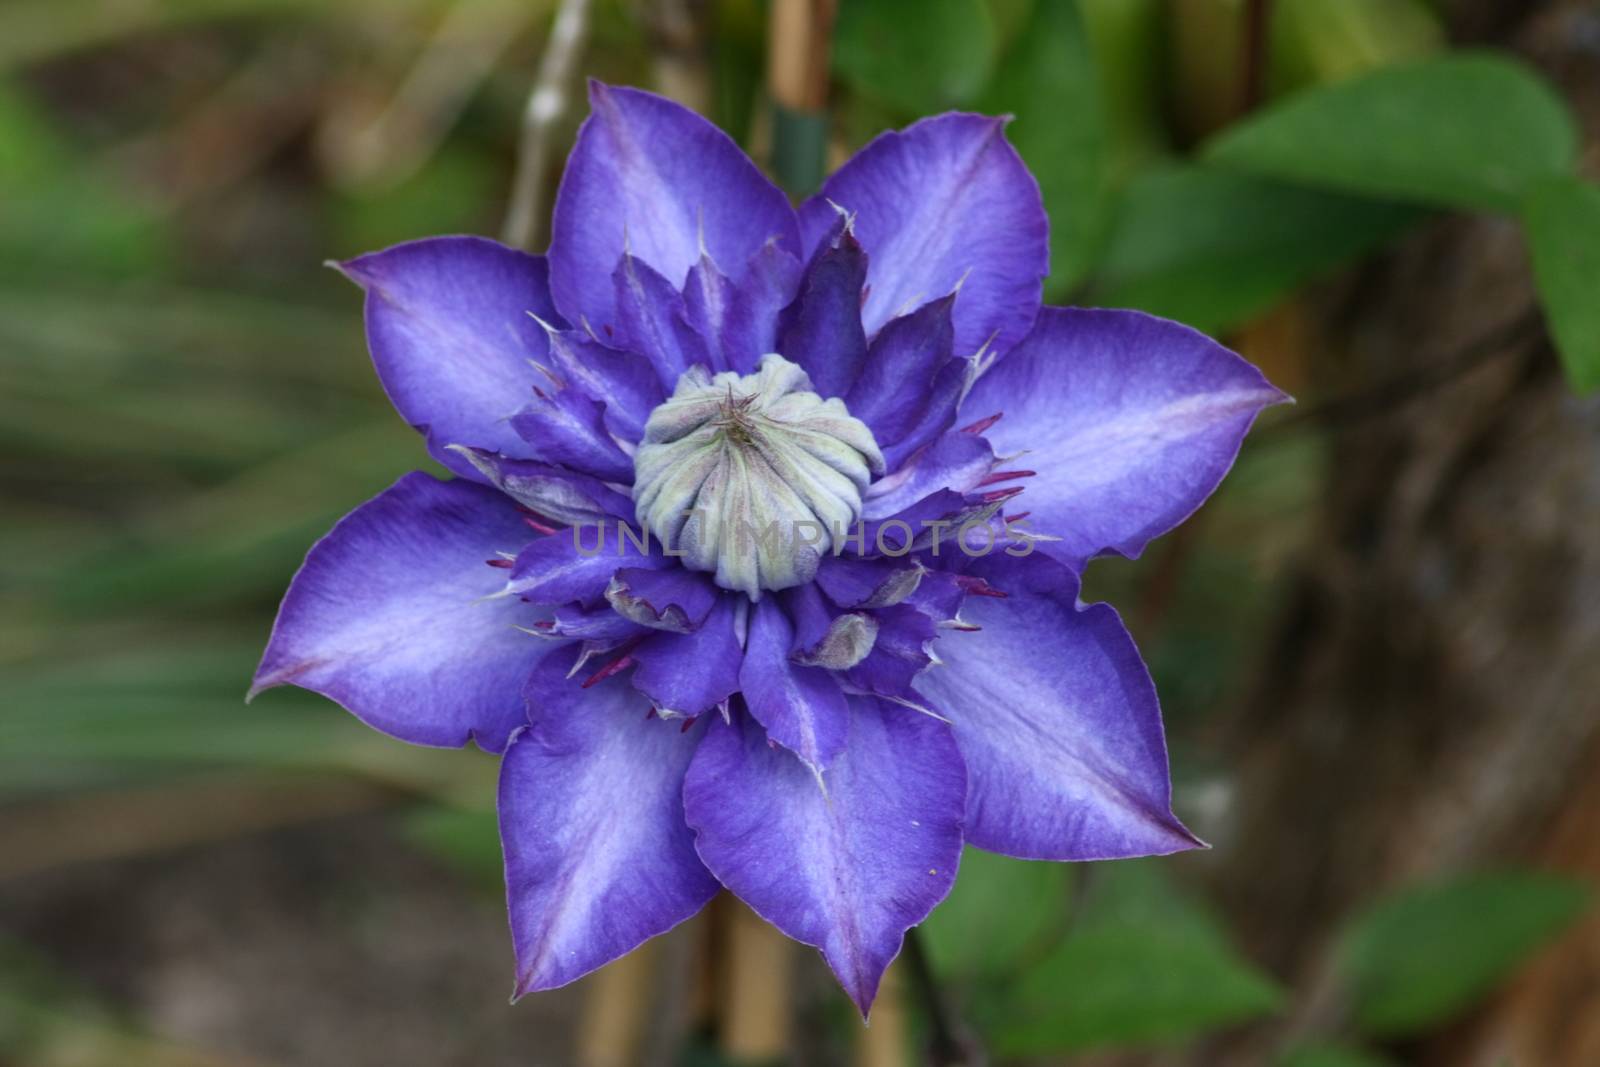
<point x="949" y="1043"/>
<point x="1257" y="20"/>
<point x="546" y="105"/>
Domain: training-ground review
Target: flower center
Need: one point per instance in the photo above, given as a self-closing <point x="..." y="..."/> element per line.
<point x="752" y="477"/>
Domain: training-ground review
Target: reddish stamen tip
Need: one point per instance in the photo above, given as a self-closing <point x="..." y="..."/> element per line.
<point x="978" y="587"/>
<point x="649" y="714"/>
<point x="620" y="664"/>
<point x="983" y="424"/>
<point x="688" y="723"/>
<point x="537" y="526"/>
<point x="1006" y="476"/>
<point x="997" y="495"/>
<point x="1018" y="517"/>
<point x="503" y="564"/>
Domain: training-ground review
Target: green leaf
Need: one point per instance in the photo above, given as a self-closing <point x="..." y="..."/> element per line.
<point x="1331" y="1056"/>
<point x="1422" y="955"/>
<point x="1048" y="81"/>
<point x="921" y="56"/>
<point x="1001" y="910"/>
<point x="1315" y="41"/>
<point x="58" y="214"/>
<point x="1470" y="130"/>
<point x="1211" y="248"/>
<point x="1129" y="44"/>
<point x="1562" y="219"/>
<point x="1143" y="964"/>
<point x="468" y="840"/>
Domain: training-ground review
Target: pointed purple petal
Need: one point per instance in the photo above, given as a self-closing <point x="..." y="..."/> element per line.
<point x="568" y="497"/>
<point x="598" y="857"/>
<point x="389" y="616"/>
<point x="624" y="382"/>
<point x="739" y="320"/>
<point x="568" y="428"/>
<point x="652" y="320"/>
<point x="848" y="870"/>
<point x="1130" y="420"/>
<point x="600" y="626"/>
<point x="1057" y="720"/>
<point x="853" y="582"/>
<point x="894" y="388"/>
<point x="689" y="674"/>
<point x="576" y="564"/>
<point x="940" y="406"/>
<point x="899" y="654"/>
<point x="821" y="330"/>
<point x="675" y="599"/>
<point x="449" y="327"/>
<point x="945" y="199"/>
<point x="653" y="178"/>
<point x="956" y="461"/>
<point x="801" y="707"/>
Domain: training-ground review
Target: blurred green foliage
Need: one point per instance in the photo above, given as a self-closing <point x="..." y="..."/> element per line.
<point x="1418" y="957"/>
<point x="1331" y="1056"/>
<point x="1140" y="963"/>
<point x="1001" y="911"/>
<point x="1211" y="248"/>
<point x="1562" y="218"/>
<point x="1468" y="131"/>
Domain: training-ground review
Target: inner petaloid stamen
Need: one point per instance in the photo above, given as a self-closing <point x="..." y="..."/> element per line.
<point x="752" y="477"/>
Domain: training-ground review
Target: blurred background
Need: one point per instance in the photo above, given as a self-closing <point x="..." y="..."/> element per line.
<point x="1378" y="648"/>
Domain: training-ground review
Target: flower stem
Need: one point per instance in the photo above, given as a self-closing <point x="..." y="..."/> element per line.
<point x="546" y="106"/>
<point x="950" y="1044"/>
<point x="800" y="34"/>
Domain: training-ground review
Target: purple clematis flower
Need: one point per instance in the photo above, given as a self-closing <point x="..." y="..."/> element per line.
<point x="902" y="667"/>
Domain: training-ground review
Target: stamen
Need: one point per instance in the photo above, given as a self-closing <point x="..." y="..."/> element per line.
<point x="983" y="424"/>
<point x="978" y="587"/>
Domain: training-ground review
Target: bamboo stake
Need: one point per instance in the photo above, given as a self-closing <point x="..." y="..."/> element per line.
<point x="798" y="43"/>
<point x="546" y="105"/>
<point x="760" y="989"/>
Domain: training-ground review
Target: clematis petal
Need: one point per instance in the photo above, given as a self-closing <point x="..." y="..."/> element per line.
<point x="452" y="338"/>
<point x="802" y="708"/>
<point x="652" y="320"/>
<point x="576" y="564"/>
<point x="1130" y="420"/>
<point x="738" y="321"/>
<point x="956" y="461"/>
<point x="896" y="384"/>
<point x="389" y="616"/>
<point x="898" y="655"/>
<point x="568" y="497"/>
<point x="625" y="382"/>
<point x="1057" y="720"/>
<point x="848" y="868"/>
<point x="673" y="599"/>
<point x="568" y="428"/>
<point x="602" y="628"/>
<point x="688" y="674"/>
<point x="944" y="200"/>
<point x="941" y="403"/>
<point x="855" y="582"/>
<point x="821" y="330"/>
<point x="652" y="178"/>
<point x="598" y="857"/>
